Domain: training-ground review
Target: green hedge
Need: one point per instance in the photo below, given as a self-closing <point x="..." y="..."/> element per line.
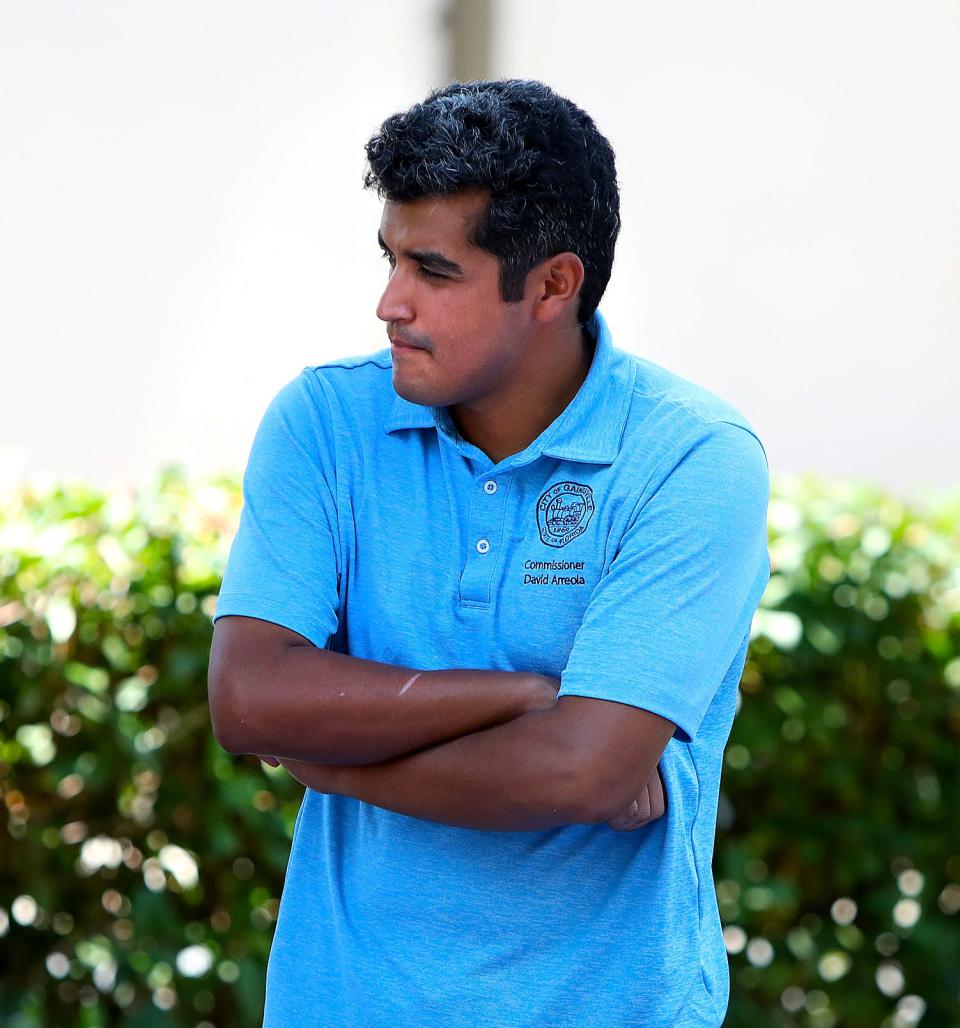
<point x="141" y="865"/>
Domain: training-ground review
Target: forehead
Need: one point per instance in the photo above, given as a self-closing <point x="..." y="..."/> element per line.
<point x="433" y="220"/>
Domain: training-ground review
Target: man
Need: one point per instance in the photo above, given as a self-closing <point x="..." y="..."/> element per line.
<point x="485" y="582"/>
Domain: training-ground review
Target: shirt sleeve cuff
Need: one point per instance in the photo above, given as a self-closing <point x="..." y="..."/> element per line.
<point x="658" y="701"/>
<point x="266" y="610"/>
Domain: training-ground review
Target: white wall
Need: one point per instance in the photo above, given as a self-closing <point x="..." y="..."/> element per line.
<point x="182" y="226"/>
<point x="182" y="222"/>
<point x="791" y="223"/>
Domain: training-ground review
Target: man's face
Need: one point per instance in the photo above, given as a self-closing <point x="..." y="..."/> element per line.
<point x="443" y="295"/>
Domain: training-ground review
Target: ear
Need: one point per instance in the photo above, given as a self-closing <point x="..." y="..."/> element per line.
<point x="556" y="287"/>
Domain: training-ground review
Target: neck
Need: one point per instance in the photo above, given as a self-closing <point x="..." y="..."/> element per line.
<point x="545" y="380"/>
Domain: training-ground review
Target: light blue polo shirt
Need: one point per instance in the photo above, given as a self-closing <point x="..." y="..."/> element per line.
<point x="623" y="552"/>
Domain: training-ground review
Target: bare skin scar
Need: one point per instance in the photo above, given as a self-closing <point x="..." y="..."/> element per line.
<point x="409" y="683"/>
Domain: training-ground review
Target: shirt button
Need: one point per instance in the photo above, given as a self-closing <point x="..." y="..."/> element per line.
<point x="483" y="545"/>
<point x="490" y="487"/>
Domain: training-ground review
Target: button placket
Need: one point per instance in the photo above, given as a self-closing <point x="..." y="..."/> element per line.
<point x="486" y="527"/>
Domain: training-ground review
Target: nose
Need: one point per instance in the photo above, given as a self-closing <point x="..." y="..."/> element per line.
<point x="394" y="305"/>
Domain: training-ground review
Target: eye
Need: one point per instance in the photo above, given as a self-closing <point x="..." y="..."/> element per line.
<point x="387" y="256"/>
<point x="427" y="273"/>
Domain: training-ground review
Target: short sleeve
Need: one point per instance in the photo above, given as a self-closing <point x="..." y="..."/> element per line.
<point x="284" y="562"/>
<point x="667" y="620"/>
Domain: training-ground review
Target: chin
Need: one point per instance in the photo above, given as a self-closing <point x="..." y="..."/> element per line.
<point x="412" y="391"/>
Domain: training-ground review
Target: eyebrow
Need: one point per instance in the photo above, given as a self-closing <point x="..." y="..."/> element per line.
<point x="430" y="258"/>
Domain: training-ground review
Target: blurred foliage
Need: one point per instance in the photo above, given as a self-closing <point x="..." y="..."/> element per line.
<point x="141" y="868"/>
<point x="141" y="865"/>
<point x="838" y="856"/>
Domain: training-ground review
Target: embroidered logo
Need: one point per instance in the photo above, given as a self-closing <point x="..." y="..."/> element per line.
<point x="563" y="512"/>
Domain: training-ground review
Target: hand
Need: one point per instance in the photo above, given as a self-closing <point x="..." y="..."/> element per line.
<point x="647" y="807"/>
<point x="319" y="777"/>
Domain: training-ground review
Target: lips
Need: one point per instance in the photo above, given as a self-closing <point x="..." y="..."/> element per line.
<point x="402" y="343"/>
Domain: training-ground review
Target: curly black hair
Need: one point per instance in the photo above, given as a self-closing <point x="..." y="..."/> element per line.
<point x="550" y="175"/>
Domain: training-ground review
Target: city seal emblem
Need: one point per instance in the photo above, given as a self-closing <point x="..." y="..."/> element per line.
<point x="563" y="512"/>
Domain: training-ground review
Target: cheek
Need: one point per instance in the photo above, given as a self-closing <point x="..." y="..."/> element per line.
<point x="473" y="336"/>
<point x="491" y="351"/>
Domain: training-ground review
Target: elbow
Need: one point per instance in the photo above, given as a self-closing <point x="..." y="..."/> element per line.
<point x="226" y="714"/>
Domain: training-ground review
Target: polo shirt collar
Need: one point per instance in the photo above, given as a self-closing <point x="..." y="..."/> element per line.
<point x="589" y="429"/>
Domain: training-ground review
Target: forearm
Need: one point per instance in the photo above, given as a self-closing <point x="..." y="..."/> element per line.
<point x="521" y="776"/>
<point x="320" y="706"/>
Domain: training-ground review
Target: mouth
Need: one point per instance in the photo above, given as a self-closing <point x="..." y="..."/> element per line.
<point x="396" y="343"/>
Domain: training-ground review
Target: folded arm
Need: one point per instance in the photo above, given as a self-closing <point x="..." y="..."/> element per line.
<point x="582" y="761"/>
<point x="273" y="692"/>
<point x="503" y="752"/>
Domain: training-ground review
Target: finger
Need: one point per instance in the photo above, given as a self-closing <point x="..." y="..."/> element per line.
<point x="657" y="797"/>
<point x="624" y="818"/>
<point x="642" y="816"/>
<point x="643" y="805"/>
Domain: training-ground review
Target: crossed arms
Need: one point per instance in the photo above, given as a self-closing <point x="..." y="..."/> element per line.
<point x="470" y="748"/>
